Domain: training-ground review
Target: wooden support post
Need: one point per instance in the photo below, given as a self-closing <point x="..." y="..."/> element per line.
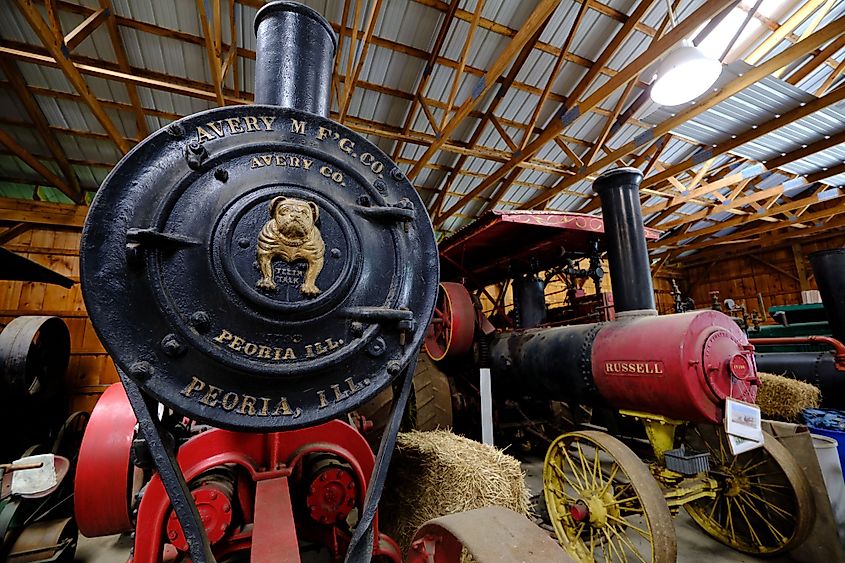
<point x="800" y="267"/>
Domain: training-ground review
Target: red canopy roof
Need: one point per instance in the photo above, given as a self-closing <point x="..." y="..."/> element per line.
<point x="501" y="243"/>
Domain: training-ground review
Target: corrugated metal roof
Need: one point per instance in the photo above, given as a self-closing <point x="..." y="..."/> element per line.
<point x="415" y="24"/>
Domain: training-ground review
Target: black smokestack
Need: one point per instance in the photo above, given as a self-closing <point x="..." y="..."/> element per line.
<point x="627" y="255"/>
<point x="295" y="49"/>
<point x="829" y="269"/>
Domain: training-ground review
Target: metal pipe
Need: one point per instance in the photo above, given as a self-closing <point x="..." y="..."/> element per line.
<point x="838" y="347"/>
<point x="817" y="368"/>
<point x="627" y="254"/>
<point x="295" y="48"/>
<point x="829" y="269"/>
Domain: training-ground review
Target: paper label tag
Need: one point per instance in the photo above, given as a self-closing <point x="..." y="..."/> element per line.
<point x="741" y="445"/>
<point x="743" y="420"/>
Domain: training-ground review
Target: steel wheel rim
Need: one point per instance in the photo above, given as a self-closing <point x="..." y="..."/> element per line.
<point x="763" y="504"/>
<point x="627" y="510"/>
<point x="451" y="330"/>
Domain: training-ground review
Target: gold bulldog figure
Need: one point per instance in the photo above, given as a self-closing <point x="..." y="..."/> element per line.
<point x="291" y="234"/>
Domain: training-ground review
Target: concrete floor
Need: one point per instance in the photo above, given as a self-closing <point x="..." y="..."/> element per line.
<point x="693" y="544"/>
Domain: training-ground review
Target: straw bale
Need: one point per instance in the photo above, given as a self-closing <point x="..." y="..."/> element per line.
<point x="438" y="473"/>
<point x="783" y="398"/>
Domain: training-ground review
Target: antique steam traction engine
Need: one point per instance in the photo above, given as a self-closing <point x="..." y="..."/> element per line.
<point x="261" y="270"/>
<point x="673" y="373"/>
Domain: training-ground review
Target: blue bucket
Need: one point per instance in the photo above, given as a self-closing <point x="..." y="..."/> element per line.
<point x="825" y="422"/>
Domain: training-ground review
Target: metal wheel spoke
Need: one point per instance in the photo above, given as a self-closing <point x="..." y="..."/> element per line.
<point x="565" y="477"/>
<point x="612" y="546"/>
<point x="597" y="470"/>
<point x="746" y="468"/>
<point x="775" y="532"/>
<point x="640" y="531"/>
<point x="581" y="460"/>
<point x="574" y="471"/>
<point x="754" y="535"/>
<point x="610" y="478"/>
<point x="730" y="518"/>
<point x="625" y="541"/>
<point x="776" y="509"/>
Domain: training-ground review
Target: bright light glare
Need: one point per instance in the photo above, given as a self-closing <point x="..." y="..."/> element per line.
<point x="683" y="75"/>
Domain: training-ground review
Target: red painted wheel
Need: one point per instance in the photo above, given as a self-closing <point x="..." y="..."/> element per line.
<point x="451" y="330"/>
<point x="105" y="477"/>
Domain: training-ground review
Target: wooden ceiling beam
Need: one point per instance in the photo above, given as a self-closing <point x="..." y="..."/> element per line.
<point x="585" y="82"/>
<point x="39" y="167"/>
<point x="48" y="39"/>
<point x="81" y="32"/>
<point x="774" y="38"/>
<point x="459" y="72"/>
<point x="765" y="229"/>
<point x="13" y="75"/>
<point x="42" y="213"/>
<point x="343" y="30"/>
<point x="209" y="24"/>
<point x="123" y="62"/>
<point x="496" y="27"/>
<point x="536" y="19"/>
<point x="565" y="118"/>
<point x="832" y="30"/>
<point x="817" y="59"/>
<point x="547" y="89"/>
<point x="425" y="77"/>
<point x="752" y="217"/>
<point x="366" y="40"/>
<point x="13" y="232"/>
<point x="436" y="206"/>
<point x="750" y="134"/>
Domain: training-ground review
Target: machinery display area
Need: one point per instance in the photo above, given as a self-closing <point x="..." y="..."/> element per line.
<point x="671" y="372"/>
<point x="422" y="281"/>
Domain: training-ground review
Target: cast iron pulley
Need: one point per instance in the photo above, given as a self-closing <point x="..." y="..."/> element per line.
<point x="258" y="267"/>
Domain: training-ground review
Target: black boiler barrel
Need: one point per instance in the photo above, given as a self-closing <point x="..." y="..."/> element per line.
<point x="829" y="269"/>
<point x="627" y="254"/>
<point x="295" y="48"/>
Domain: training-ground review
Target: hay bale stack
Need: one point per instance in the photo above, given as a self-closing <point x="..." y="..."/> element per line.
<point x="438" y="473"/>
<point x="783" y="398"/>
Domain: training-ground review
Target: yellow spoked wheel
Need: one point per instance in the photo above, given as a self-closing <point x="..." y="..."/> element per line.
<point x="763" y="505"/>
<point x="604" y="503"/>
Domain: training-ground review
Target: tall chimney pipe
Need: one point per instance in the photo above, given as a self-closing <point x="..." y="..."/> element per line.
<point x="295" y="49"/>
<point x="829" y="269"/>
<point x="627" y="254"/>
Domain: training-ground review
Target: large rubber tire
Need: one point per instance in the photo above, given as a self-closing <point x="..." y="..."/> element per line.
<point x="429" y="408"/>
<point x="432" y="405"/>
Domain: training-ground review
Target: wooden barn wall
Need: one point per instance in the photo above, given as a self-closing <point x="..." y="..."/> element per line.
<point x="779" y="275"/>
<point x="90" y="370"/>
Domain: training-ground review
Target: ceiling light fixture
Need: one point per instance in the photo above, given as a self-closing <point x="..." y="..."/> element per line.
<point x="684" y="74"/>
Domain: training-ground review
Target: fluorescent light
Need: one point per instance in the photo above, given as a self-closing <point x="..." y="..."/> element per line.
<point x="683" y="75"/>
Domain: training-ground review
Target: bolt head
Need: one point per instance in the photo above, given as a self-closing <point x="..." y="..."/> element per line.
<point x="200" y="321"/>
<point x="357" y="328"/>
<point x="171" y="345"/>
<point x="397" y="175"/>
<point x="221" y="174"/>
<point x="141" y="370"/>
<point x="394" y="367"/>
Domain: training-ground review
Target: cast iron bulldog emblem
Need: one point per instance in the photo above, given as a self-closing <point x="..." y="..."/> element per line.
<point x="291" y="234"/>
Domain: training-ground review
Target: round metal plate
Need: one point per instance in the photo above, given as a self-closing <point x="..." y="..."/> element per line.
<point x="256" y="267"/>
